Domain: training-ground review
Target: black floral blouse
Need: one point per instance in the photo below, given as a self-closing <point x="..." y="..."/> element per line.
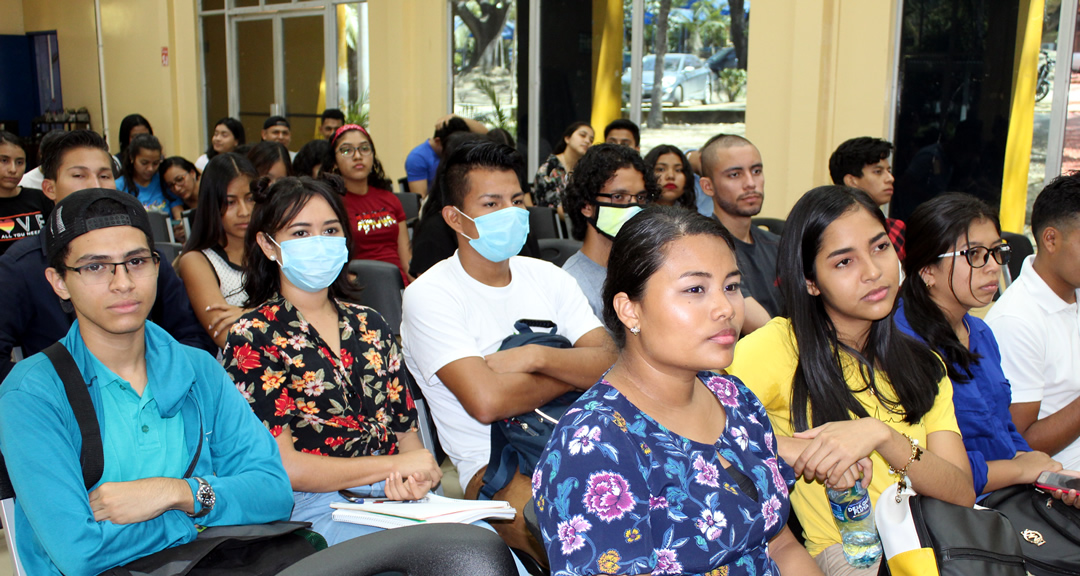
<point x="549" y="187"/>
<point x="347" y="406"/>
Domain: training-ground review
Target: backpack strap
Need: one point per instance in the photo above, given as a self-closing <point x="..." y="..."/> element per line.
<point x="92" y="456"/>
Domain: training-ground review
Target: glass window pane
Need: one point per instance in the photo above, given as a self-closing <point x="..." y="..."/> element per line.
<point x="217" y="87"/>
<point x="352" y="62"/>
<point x="303" y="45"/>
<point x="213" y="4"/>
<point x="255" y="68"/>
<point x="485" y="62"/>
<point x="1044" y="98"/>
<point x="245" y="3"/>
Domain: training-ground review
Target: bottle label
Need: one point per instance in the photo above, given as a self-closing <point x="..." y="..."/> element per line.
<point x="853" y="511"/>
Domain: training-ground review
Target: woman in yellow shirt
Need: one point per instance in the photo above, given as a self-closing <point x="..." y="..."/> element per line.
<point x="840" y="382"/>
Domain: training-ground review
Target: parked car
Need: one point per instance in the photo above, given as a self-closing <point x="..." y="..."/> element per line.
<point x="686" y="77"/>
<point x="725" y="58"/>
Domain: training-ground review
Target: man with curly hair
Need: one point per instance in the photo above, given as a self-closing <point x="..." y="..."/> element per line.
<point x="609" y="186"/>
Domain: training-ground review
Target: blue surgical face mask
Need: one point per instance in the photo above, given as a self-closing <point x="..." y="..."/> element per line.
<point x="313" y="263"/>
<point x="502" y="233"/>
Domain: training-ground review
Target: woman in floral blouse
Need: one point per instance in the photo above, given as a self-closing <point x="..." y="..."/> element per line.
<point x="664" y="467"/>
<point x="323" y="374"/>
<point x="552" y="177"/>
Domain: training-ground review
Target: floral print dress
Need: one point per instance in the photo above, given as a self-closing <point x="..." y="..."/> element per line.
<point x="347" y="406"/>
<point x="549" y="186"/>
<point x="617" y="493"/>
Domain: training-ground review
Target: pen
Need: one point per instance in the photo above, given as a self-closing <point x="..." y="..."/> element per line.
<point x="351" y="497"/>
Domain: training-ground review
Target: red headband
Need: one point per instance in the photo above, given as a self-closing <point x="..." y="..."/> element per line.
<point x="346" y="128"/>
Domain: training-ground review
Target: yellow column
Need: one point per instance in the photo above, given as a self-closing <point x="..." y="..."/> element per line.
<point x="607" y="63"/>
<point x="1021" y="117"/>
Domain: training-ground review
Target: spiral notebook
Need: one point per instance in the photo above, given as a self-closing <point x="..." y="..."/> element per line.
<point x="433" y="509"/>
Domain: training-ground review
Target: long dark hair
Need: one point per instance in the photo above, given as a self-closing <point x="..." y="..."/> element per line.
<point x="138" y="144"/>
<point x="560" y="146"/>
<point x="275" y="207"/>
<point x="235" y="127"/>
<point x="207" y="230"/>
<point x="688" y="199"/>
<point x="376" y="178"/>
<point x="933" y="229"/>
<point x="819" y="391"/>
<point x="127" y="125"/>
<point x="267" y="153"/>
<point x="639" y="251"/>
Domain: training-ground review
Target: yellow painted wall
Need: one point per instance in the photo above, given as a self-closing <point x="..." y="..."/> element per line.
<point x="11" y="17"/>
<point x="820" y="72"/>
<point x="408" y="40"/>
<point x="73" y="21"/>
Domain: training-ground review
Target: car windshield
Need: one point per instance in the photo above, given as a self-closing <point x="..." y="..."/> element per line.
<point x="671" y="63"/>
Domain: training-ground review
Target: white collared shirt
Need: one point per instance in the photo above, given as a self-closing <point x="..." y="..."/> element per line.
<point x="1039" y="337"/>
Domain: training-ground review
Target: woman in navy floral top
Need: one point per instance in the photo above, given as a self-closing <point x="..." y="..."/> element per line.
<point x="663" y="467"/>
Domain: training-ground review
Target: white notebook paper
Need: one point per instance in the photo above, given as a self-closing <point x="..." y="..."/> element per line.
<point x="434" y="509"/>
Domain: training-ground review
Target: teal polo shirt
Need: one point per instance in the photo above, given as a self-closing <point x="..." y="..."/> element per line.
<point x="137" y="441"/>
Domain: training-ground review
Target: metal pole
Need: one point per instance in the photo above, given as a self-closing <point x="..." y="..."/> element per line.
<point x="637" y="48"/>
<point x="101" y="72"/>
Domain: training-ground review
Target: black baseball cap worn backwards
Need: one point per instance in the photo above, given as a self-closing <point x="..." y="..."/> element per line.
<point x="68" y="220"/>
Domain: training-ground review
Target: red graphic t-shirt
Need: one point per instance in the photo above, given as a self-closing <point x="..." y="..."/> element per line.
<point x="373" y="221"/>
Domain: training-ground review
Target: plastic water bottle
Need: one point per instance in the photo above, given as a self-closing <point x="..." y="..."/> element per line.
<point x="855" y="519"/>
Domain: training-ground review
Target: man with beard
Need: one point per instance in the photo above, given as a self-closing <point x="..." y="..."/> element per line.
<point x="732" y="174"/>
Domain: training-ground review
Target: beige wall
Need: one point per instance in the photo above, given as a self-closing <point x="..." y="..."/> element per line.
<point x="11" y="17"/>
<point x="76" y="35"/>
<point x="133" y="32"/>
<point x="820" y="72"/>
<point x="408" y="40"/>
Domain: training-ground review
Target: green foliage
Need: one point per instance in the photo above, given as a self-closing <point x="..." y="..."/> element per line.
<point x="357" y="111"/>
<point x="733" y="82"/>
<point x="499" y="117"/>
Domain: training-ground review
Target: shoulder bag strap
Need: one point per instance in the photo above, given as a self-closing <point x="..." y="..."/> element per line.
<point x="91" y="457"/>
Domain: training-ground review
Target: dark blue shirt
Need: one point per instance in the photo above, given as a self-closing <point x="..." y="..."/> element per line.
<point x="31" y="315"/>
<point x="981" y="403"/>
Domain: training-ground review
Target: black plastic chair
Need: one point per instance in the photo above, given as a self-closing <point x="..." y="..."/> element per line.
<point x="423" y="550"/>
<point x="774" y="225"/>
<point x="382" y="285"/>
<point x="557" y="250"/>
<point x="160" y="227"/>
<point x="404" y="184"/>
<point x="1021" y="248"/>
<point x="168" y="250"/>
<point x="542" y="222"/>
<point x="411" y="203"/>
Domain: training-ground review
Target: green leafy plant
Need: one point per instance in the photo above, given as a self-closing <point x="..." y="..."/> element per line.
<point x="358" y="111"/>
<point x="733" y="82"/>
<point x="499" y="117"/>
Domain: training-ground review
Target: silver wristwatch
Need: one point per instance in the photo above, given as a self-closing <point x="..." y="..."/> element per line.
<point x="205" y="497"/>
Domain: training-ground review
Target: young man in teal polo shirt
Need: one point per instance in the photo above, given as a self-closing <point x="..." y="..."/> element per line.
<point x="161" y="407"/>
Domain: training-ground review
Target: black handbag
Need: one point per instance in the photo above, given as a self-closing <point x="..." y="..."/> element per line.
<point x="247" y="550"/>
<point x="518" y="442"/>
<point x="1047" y="529"/>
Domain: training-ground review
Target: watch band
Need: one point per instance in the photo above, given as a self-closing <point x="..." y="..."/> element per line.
<point x="204" y="495"/>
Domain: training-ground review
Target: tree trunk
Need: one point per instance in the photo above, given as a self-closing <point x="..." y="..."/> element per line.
<point x="486" y="28"/>
<point x="738" y="30"/>
<point x="656" y="106"/>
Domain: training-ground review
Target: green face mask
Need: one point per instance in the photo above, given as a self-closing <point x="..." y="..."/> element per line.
<point x="611" y="217"/>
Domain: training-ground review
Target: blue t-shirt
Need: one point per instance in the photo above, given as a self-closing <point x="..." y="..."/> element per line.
<point x="422" y="163"/>
<point x="617" y="493"/>
<point x="153" y="197"/>
<point x="981" y="403"/>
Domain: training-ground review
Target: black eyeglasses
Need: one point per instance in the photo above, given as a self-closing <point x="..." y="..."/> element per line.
<point x="102" y="272"/>
<point x="639" y="199"/>
<point x="979" y="256"/>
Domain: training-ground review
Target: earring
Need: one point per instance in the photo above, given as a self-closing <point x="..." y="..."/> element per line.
<point x="635" y="330"/>
<point x="273" y="258"/>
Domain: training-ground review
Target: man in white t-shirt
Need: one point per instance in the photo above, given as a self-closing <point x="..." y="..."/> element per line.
<point x="1037" y="326"/>
<point x="457" y="314"/>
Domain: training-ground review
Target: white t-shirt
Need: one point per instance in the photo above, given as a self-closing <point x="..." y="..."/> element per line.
<point x="448" y="315"/>
<point x="1039" y="337"/>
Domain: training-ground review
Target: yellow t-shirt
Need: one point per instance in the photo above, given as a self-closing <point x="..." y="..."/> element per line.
<point x="765" y="361"/>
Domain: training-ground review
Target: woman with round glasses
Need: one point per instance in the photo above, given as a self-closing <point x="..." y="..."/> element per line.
<point x="376" y="217"/>
<point x="954" y="259"/>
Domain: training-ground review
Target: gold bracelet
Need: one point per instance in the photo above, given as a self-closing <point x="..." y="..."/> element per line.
<point x="916" y="454"/>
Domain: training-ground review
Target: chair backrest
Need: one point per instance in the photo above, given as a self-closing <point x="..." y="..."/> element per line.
<point x="160" y="227"/>
<point x="557" y="250"/>
<point x="168" y="250"/>
<point x="404" y="184"/>
<point x="411" y="203"/>
<point x="542" y="222"/>
<point x="7" y="508"/>
<point x="1021" y="248"/>
<point x="774" y="225"/>
<point x="422" y="550"/>
<point x="382" y="289"/>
